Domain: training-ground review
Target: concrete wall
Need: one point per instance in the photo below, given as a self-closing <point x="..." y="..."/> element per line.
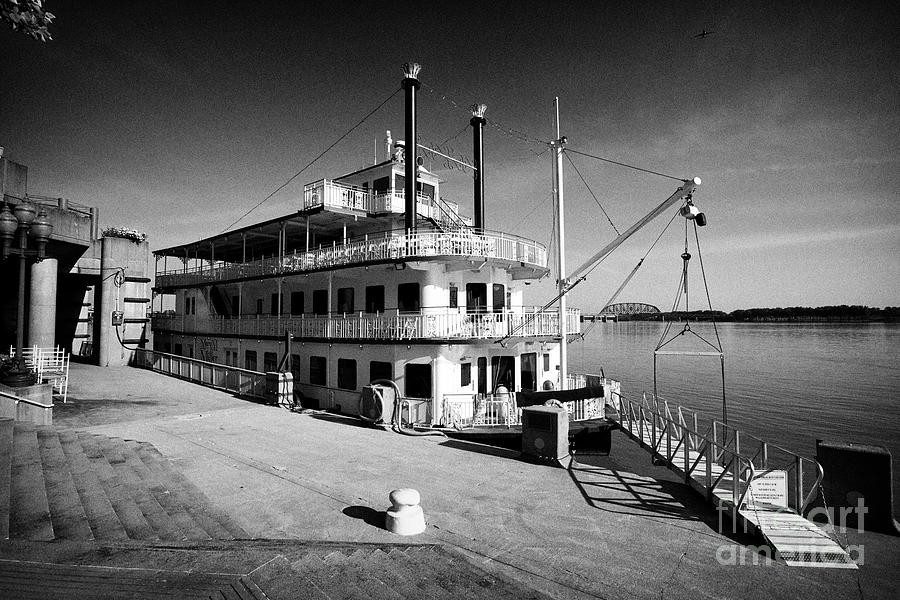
<point x="125" y="287"/>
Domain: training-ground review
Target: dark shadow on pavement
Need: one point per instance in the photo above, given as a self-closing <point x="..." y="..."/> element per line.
<point x="481" y="449"/>
<point x="342" y="419"/>
<point x="368" y="515"/>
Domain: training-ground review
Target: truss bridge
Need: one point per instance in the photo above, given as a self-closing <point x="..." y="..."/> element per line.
<point x="612" y="312"/>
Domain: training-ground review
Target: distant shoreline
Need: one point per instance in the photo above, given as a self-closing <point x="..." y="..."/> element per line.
<point x="796" y="314"/>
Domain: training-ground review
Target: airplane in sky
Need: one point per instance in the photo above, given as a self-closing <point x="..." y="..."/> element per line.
<point x="704" y="34"/>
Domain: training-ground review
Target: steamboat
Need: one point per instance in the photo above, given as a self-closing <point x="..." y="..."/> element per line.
<point x="377" y="279"/>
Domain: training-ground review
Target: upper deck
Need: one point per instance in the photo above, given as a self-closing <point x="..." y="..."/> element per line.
<point x="352" y="221"/>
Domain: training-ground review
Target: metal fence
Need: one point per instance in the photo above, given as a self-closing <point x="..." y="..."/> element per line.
<point x="233" y="379"/>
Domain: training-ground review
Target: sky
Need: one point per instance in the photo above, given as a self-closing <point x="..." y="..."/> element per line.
<point x="176" y="118"/>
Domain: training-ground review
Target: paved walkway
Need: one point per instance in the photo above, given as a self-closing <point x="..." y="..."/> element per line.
<point x="618" y="528"/>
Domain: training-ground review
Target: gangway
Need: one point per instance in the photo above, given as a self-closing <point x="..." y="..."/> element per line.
<point x="759" y="485"/>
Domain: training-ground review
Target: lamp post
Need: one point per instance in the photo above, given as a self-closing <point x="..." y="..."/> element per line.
<point x="21" y="223"/>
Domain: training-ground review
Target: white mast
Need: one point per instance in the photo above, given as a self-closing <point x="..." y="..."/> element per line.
<point x="560" y="251"/>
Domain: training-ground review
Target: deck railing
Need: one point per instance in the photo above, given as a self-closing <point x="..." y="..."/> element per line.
<point x="233" y="379"/>
<point x="389" y="246"/>
<point x="682" y="438"/>
<point x="378" y="326"/>
<point x="500" y="410"/>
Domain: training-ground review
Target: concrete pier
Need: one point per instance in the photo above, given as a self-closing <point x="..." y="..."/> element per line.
<point x="42" y="313"/>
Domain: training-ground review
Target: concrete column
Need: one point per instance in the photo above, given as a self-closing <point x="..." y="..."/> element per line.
<point x="124" y="266"/>
<point x="42" y="312"/>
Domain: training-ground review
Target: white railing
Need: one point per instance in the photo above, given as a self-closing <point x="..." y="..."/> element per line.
<point x="391" y="245"/>
<point x="327" y="193"/>
<point x="500" y="410"/>
<point x="241" y="381"/>
<point x="379" y="326"/>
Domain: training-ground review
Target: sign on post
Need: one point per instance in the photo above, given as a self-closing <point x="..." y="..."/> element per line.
<point x="769" y="490"/>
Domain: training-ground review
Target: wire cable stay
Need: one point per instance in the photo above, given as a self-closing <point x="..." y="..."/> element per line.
<point x="621" y="164"/>
<point x="683" y="292"/>
<point x="591" y="192"/>
<point x="310" y="163"/>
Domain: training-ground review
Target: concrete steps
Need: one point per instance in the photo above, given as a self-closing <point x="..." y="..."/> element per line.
<point x="67" y="485"/>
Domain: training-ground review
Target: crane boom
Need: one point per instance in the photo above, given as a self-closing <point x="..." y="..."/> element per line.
<point x="686" y="190"/>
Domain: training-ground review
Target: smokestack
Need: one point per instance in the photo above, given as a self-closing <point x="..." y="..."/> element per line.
<point x="477" y="122"/>
<point x="389" y="145"/>
<point x="411" y="84"/>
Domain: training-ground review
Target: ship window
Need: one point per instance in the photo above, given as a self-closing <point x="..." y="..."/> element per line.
<point x="295" y="366"/>
<point x="482" y="375"/>
<point x="529" y="371"/>
<point x="418" y="381"/>
<point x="178" y="349"/>
<point x="374" y="298"/>
<point x="476" y="297"/>
<point x="546" y="362"/>
<point x="190" y="351"/>
<point x="465" y="375"/>
<point x="345" y="300"/>
<point x="499" y="297"/>
<point x="270" y="362"/>
<point x="454" y="296"/>
<point x="346" y="375"/>
<point x="380" y="370"/>
<point x="250" y="360"/>
<point x="426" y="189"/>
<point x="167" y="347"/>
<point x="504" y="369"/>
<point x="296" y="303"/>
<point x="235" y="306"/>
<point x="381" y="185"/>
<point x="320" y="302"/>
<point x="259" y="306"/>
<point x="274" y="307"/>
<point x="408" y="297"/>
<point x="318" y="370"/>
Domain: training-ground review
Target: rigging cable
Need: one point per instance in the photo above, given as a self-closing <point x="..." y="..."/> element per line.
<point x="591" y="192"/>
<point x="621" y="164"/>
<point x="310" y="163"/>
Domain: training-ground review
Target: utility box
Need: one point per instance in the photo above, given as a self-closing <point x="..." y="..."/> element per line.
<point x="280" y="388"/>
<point x="376" y="403"/>
<point x="545" y="432"/>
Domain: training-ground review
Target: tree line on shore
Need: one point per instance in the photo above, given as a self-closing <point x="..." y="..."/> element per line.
<point x="806" y="314"/>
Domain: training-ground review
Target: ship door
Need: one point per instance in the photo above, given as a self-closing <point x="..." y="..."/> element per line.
<point x="504" y="370"/>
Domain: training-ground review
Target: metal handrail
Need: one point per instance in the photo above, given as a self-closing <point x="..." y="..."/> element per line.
<point x="727" y="441"/>
<point x="234" y="379"/>
<point x="391" y="246"/>
<point x="426" y="324"/>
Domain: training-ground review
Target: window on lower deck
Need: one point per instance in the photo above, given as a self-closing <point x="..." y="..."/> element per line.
<point x="476" y="297"/>
<point x="374" y="298"/>
<point x="380" y="370"/>
<point x="250" y="359"/>
<point x="270" y="362"/>
<point x="408" y="297"/>
<point x="318" y="370"/>
<point x="465" y="375"/>
<point x="345" y="300"/>
<point x="296" y="303"/>
<point x="346" y="374"/>
<point x="320" y="302"/>
<point x="418" y="380"/>
<point x="529" y="371"/>
<point x="499" y="297"/>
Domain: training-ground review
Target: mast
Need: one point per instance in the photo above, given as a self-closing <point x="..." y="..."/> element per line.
<point x="560" y="250"/>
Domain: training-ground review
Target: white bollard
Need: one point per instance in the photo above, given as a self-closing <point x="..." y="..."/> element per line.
<point x="405" y="517"/>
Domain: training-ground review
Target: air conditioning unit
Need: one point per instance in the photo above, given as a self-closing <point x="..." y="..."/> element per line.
<point x="376" y="403"/>
<point x="545" y="432"/>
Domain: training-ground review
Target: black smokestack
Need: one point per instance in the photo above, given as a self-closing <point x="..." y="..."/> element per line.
<point x="477" y="122"/>
<point x="411" y="84"/>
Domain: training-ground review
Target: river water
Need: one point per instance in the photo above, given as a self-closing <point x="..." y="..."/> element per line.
<point x="788" y="384"/>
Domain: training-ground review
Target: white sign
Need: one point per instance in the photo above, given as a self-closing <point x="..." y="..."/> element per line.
<point x="769" y="489"/>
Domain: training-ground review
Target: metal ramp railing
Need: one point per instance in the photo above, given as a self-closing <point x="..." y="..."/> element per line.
<point x="763" y="487"/>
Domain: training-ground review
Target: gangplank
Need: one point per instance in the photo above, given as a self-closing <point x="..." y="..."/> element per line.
<point x="760" y="486"/>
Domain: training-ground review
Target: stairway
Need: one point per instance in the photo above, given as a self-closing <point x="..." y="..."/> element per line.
<point x="90" y="516"/>
<point x="67" y="485"/>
